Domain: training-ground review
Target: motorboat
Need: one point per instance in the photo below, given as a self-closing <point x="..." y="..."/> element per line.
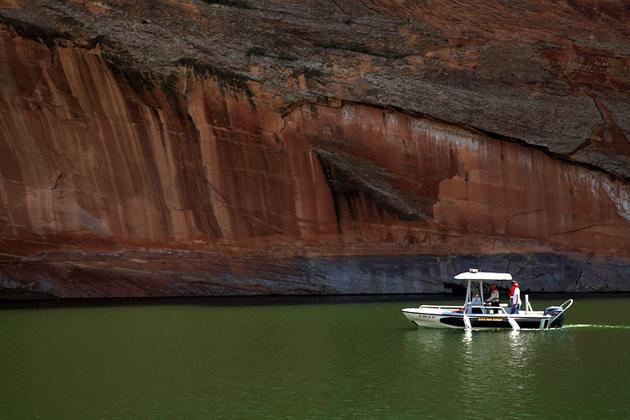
<point x="476" y="314"/>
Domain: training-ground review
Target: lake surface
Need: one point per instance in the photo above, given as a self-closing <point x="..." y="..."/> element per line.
<point x="308" y="361"/>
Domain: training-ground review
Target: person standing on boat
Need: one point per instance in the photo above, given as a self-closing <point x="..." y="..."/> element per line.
<point x="515" y="297"/>
<point x="494" y="295"/>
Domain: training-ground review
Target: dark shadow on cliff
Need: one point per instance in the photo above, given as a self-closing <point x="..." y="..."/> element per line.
<point x="349" y="176"/>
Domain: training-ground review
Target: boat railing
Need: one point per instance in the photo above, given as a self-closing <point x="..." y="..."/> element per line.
<point x="502" y="307"/>
<point x="439" y="307"/>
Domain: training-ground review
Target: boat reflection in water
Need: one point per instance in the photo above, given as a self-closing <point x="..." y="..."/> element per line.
<point x="499" y="366"/>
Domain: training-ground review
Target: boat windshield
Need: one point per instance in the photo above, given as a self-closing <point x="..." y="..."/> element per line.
<point x="476" y="291"/>
<point x="480" y="308"/>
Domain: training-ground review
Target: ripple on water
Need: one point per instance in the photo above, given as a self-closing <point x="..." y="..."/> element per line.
<point x="597" y="326"/>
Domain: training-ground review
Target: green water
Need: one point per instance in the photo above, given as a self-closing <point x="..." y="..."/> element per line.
<point x="307" y="361"/>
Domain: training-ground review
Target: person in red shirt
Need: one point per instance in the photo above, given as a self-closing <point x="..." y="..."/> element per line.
<point x="515" y="297"/>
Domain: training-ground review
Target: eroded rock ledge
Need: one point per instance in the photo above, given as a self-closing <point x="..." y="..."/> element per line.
<point x="325" y="144"/>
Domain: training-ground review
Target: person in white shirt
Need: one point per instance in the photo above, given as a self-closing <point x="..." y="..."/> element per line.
<point x="515" y="297"/>
<point x="494" y="295"/>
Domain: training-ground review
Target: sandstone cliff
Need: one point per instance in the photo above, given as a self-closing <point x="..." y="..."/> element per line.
<point x="174" y="148"/>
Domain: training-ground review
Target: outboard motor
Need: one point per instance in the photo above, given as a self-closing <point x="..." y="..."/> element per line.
<point x="553" y="311"/>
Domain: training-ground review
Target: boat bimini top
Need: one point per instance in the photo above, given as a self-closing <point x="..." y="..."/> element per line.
<point x="474" y="275"/>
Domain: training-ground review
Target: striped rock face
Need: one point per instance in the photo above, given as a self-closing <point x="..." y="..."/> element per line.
<point x="166" y="151"/>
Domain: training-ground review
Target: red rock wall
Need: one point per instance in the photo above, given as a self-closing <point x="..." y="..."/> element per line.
<point x="86" y="154"/>
<point x="94" y="158"/>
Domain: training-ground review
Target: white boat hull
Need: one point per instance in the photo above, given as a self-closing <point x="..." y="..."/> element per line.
<point x="452" y="317"/>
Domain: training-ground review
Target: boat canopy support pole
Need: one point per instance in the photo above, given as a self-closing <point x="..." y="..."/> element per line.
<point x="467" y="293"/>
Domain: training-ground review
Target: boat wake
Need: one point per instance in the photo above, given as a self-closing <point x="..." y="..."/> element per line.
<point x="597" y="326"/>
